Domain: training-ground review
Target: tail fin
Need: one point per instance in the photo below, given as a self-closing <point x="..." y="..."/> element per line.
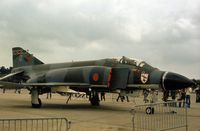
<point x="22" y="58"/>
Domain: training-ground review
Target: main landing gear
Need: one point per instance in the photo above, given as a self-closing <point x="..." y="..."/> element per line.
<point x="35" y="100"/>
<point x="94" y="98"/>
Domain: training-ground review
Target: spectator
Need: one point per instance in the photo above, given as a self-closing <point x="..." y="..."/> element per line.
<point x="103" y="96"/>
<point x="181" y="97"/>
<point x="120" y="97"/>
<point x="145" y="93"/>
<point x="4" y="90"/>
<point x="187" y="97"/>
<point x="165" y="95"/>
<point x="49" y="95"/>
<point x="127" y="98"/>
<point x="173" y="94"/>
<point x="154" y="96"/>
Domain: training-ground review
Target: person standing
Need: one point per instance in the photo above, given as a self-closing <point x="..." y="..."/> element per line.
<point x="179" y="98"/>
<point x="103" y="96"/>
<point x="173" y="95"/>
<point x="49" y="95"/>
<point x="187" y="97"/>
<point x="120" y="97"/>
<point x="183" y="93"/>
<point x="4" y="90"/>
<point x="165" y="95"/>
<point x="145" y="93"/>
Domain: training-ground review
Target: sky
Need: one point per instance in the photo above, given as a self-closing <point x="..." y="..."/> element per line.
<point x="164" y="33"/>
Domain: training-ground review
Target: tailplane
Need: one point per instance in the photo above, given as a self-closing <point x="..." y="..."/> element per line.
<point x="22" y="57"/>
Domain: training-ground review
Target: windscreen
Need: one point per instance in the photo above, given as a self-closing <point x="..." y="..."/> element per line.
<point x="136" y="62"/>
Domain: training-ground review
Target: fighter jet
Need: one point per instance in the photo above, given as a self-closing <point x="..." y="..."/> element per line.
<point x="109" y="75"/>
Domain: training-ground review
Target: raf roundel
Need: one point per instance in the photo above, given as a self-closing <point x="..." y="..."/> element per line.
<point x="95" y="77"/>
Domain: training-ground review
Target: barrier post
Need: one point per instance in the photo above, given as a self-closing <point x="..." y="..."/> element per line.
<point x="133" y="115"/>
<point x="32" y="124"/>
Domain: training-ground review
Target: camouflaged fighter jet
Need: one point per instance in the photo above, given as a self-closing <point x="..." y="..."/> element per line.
<point x="92" y="77"/>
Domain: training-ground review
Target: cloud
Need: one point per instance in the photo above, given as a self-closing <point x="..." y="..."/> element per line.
<point x="164" y="33"/>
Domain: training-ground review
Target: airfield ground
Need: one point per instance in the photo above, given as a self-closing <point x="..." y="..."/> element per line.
<point x="110" y="116"/>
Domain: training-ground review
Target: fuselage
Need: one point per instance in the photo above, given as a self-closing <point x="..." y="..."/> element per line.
<point x="139" y="72"/>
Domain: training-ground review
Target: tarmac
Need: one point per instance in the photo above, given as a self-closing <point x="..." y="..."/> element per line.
<point x="110" y="116"/>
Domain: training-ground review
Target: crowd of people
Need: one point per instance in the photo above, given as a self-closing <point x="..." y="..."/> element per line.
<point x="182" y="96"/>
<point x="150" y="95"/>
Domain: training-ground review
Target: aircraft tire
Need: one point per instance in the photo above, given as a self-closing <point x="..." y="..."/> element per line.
<point x="37" y="105"/>
<point x="95" y="101"/>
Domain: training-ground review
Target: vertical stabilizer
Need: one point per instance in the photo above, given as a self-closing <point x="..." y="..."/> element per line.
<point x="22" y="58"/>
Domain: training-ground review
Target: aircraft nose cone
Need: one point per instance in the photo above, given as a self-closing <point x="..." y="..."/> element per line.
<point x="173" y="81"/>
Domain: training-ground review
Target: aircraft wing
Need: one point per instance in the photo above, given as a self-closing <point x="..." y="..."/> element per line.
<point x="10" y="75"/>
<point x="11" y="85"/>
<point x="54" y="84"/>
<point x="144" y="86"/>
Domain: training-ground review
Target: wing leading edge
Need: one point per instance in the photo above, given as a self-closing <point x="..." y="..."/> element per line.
<point x="11" y="85"/>
<point x="10" y="75"/>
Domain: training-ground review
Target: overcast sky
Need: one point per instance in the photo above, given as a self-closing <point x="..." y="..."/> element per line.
<point x="165" y="33"/>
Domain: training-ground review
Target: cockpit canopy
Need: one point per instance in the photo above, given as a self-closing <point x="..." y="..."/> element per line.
<point x="135" y="62"/>
<point x="130" y="61"/>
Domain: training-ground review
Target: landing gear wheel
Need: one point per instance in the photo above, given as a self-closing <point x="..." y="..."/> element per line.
<point x="94" y="100"/>
<point x="37" y="105"/>
<point x="149" y="110"/>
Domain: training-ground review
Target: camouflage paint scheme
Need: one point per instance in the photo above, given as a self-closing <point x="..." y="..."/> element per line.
<point x="105" y="75"/>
